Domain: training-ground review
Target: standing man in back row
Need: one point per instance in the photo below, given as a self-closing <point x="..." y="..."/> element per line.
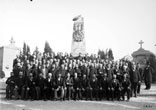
<point x="135" y="79"/>
<point x="148" y="76"/>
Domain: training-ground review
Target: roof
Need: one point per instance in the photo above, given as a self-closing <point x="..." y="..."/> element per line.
<point x="141" y="51"/>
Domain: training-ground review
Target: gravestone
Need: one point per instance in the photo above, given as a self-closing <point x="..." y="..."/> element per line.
<point x="78" y="46"/>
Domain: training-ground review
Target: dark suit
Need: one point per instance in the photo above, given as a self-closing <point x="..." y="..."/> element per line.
<point x="50" y="87"/>
<point x="16" y="70"/>
<point x="77" y="88"/>
<point x="140" y="79"/>
<point x="148" y="77"/>
<point x="40" y="88"/>
<point x="92" y="71"/>
<point x="115" y="89"/>
<point x="71" y="71"/>
<point x="10" y="87"/>
<point x="78" y="71"/>
<point x="93" y="85"/>
<point x="84" y="88"/>
<point x="104" y="85"/>
<point x="30" y="88"/>
<point x="19" y="87"/>
<point x="126" y="84"/>
<point x="109" y="74"/>
<point x="135" y="78"/>
<point x="54" y="72"/>
<point x="68" y="88"/>
<point x="62" y="72"/>
<point x="84" y="70"/>
<point x="59" y="88"/>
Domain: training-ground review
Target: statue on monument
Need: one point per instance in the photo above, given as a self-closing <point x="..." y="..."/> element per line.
<point x="78" y="33"/>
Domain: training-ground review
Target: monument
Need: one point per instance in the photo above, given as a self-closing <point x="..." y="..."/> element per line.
<point x="78" y="46"/>
<point x="7" y="55"/>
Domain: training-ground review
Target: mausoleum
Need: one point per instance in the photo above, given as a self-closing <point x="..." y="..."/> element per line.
<point x="7" y="55"/>
<point x="141" y="56"/>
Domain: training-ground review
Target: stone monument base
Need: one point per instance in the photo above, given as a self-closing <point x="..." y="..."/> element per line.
<point x="78" y="48"/>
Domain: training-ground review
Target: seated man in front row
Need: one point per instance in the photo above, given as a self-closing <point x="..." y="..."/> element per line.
<point x="19" y="86"/>
<point x="10" y="86"/>
<point x="115" y="88"/>
<point x="68" y="87"/>
<point x="126" y="84"/>
<point x="59" y="87"/>
<point x="93" y="87"/>
<point x="50" y="87"/>
<point x="76" y="87"/>
<point x="41" y="87"/>
<point x="30" y="87"/>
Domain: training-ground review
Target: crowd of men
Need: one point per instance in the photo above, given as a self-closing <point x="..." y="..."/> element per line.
<point x="63" y="77"/>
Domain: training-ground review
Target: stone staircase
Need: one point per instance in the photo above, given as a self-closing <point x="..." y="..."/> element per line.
<point x="151" y="92"/>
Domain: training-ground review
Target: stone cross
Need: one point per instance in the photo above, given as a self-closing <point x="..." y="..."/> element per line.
<point x="141" y="42"/>
<point x="12" y="41"/>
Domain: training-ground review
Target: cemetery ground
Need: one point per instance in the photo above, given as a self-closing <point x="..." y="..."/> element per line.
<point x="145" y="101"/>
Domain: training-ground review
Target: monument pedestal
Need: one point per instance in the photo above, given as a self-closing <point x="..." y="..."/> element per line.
<point x="78" y="48"/>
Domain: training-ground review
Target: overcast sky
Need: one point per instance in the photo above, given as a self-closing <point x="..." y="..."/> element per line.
<point x="116" y="24"/>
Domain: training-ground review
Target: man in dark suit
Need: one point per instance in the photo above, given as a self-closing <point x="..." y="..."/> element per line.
<point x="115" y="88"/>
<point x="104" y="85"/>
<point x="139" y="83"/>
<point x="17" y="68"/>
<point x="50" y="84"/>
<point x="84" y="87"/>
<point x="100" y="71"/>
<point x="126" y="84"/>
<point x="68" y="87"/>
<point x="10" y="86"/>
<point x="40" y="87"/>
<point x="53" y="70"/>
<point x="148" y="76"/>
<point x="76" y="87"/>
<point x="93" y="86"/>
<point x="62" y="71"/>
<point x="59" y="88"/>
<point x="92" y="70"/>
<point x="110" y="72"/>
<point x="30" y="87"/>
<point x="71" y="70"/>
<point x="19" y="86"/>
<point x="135" y="79"/>
<point x="78" y="71"/>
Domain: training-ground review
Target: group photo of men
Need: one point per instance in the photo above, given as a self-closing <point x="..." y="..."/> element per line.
<point x="63" y="77"/>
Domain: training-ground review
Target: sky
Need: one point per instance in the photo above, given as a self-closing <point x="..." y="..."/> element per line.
<point x="115" y="24"/>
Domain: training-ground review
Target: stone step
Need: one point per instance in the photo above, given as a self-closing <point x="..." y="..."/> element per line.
<point x="2" y="91"/>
